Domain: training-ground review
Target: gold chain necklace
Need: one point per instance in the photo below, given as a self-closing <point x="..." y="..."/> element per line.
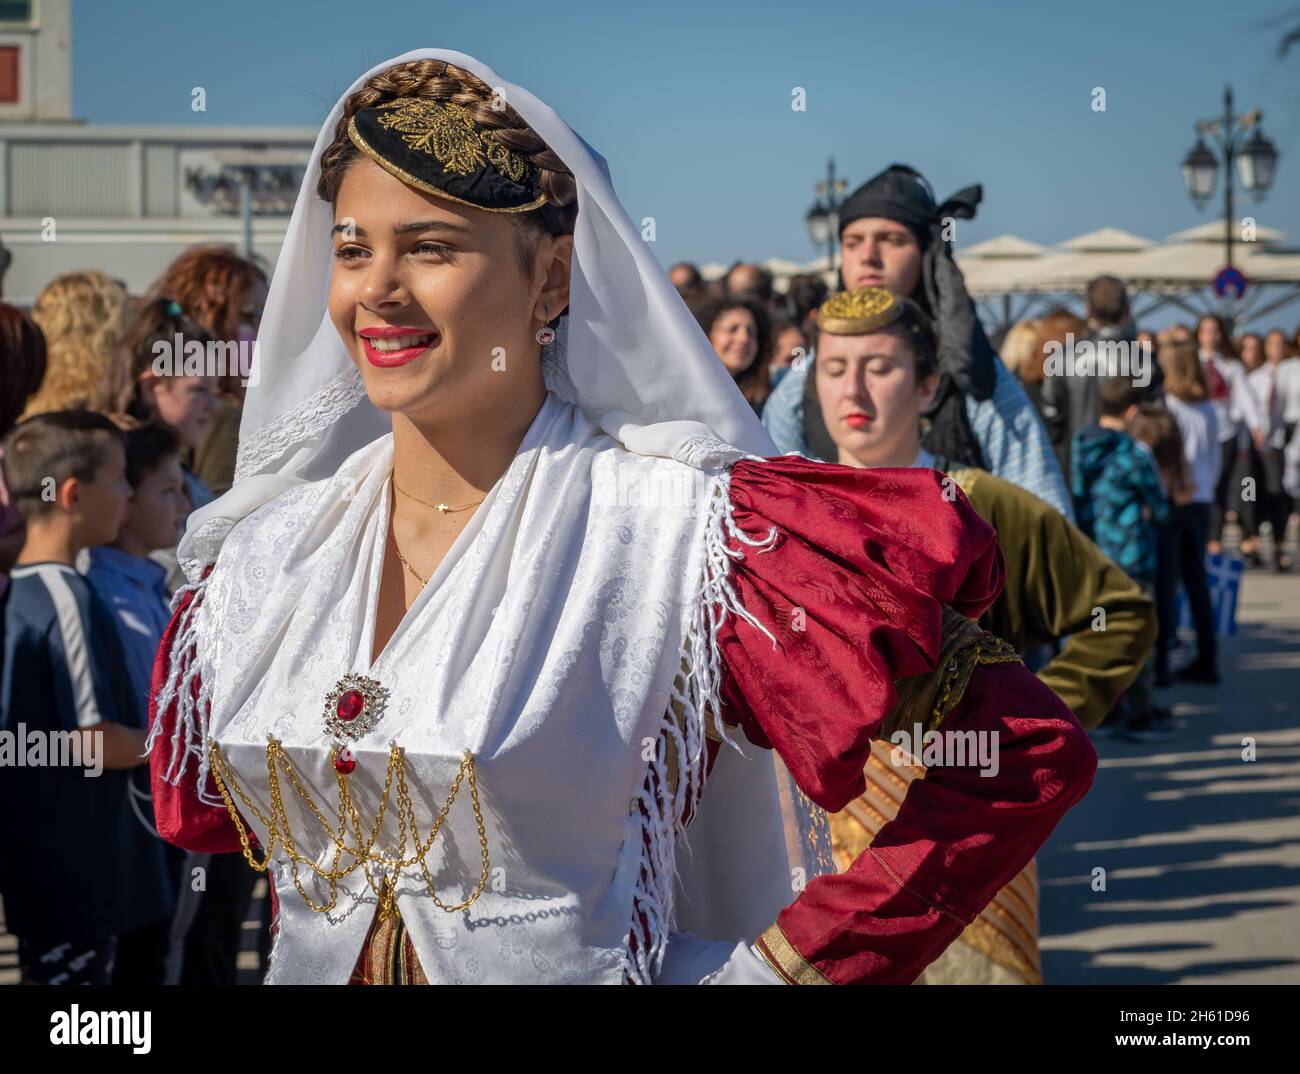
<point x="423" y="581"/>
<point x="363" y="853"/>
<point x="444" y="508"/>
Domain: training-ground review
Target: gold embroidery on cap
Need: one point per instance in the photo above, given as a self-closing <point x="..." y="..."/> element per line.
<point x="429" y="188"/>
<point x="855" y="313"/>
<point x="505" y="161"/>
<point x="447" y="132"/>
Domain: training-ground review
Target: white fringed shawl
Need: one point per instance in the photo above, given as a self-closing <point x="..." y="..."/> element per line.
<point x="550" y="641"/>
<point x="574" y="615"/>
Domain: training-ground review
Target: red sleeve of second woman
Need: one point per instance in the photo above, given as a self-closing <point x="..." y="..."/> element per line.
<point x="853" y="591"/>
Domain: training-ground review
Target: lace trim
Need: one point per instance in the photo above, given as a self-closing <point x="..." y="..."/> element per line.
<point x="203" y="548"/>
<point x="675" y="779"/>
<point x="705" y="452"/>
<point x="321" y="410"/>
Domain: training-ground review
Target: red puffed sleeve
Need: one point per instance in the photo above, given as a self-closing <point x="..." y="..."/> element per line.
<point x="853" y="592"/>
<point x="182" y="818"/>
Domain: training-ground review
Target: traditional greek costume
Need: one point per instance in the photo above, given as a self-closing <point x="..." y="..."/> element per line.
<point x="598" y="746"/>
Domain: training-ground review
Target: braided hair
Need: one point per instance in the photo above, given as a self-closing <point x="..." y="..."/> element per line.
<point x="442" y="81"/>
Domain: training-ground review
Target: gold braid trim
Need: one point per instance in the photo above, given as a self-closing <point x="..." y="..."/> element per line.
<point x="790" y="966"/>
<point x="929" y="699"/>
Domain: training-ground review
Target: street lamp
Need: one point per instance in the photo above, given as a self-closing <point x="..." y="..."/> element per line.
<point x="1256" y="160"/>
<point x="1198" y="173"/>
<point x="1255" y="164"/>
<point x="823" y="219"/>
<point x="819" y="226"/>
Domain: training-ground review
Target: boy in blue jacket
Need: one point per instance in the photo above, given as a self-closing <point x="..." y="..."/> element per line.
<point x="1118" y="502"/>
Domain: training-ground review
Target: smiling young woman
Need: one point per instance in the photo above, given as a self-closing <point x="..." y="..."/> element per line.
<point x="506" y="569"/>
<point x="440" y="304"/>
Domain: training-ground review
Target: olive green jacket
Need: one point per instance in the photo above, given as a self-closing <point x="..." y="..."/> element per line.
<point x="1061" y="585"/>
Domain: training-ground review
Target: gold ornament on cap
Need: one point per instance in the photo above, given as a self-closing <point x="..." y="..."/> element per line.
<point x="855" y="313"/>
<point x="447" y="131"/>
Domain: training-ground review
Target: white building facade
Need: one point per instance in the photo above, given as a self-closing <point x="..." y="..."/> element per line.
<point x="123" y="199"/>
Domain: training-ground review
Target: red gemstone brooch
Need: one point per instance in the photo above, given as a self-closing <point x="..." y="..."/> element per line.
<point x="352" y="708"/>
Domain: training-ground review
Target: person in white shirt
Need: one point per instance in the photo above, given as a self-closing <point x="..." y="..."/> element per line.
<point x="1250" y="349"/>
<point x="1276" y="386"/>
<point x="1184" y="538"/>
<point x="1238" y="415"/>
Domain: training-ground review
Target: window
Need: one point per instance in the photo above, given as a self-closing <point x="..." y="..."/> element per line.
<point x="9" y="74"/>
<point x="15" y="10"/>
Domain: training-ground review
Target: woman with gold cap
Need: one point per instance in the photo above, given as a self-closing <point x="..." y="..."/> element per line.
<point x="876" y="375"/>
<point x="507" y="574"/>
<point x="894" y="233"/>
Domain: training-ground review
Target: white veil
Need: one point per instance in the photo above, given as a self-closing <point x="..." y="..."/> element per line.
<point x="628" y="353"/>
<point x="648" y="375"/>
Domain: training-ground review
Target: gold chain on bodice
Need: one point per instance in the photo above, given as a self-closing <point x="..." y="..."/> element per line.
<point x="363" y="853"/>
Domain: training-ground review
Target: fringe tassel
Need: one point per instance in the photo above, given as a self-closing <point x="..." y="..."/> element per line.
<point x="696" y="691"/>
<point x="189" y="735"/>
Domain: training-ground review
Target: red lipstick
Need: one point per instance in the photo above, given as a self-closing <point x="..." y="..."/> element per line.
<point x="420" y="340"/>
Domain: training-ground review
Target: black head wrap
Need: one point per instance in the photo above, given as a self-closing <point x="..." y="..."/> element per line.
<point x="439" y="147"/>
<point x="966" y="358"/>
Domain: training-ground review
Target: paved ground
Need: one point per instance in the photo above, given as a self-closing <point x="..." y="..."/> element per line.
<point x="246" y="963"/>
<point x="1201" y="849"/>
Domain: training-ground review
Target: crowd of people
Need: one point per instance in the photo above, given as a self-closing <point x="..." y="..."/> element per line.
<point x="105" y="451"/>
<point x="1107" y="493"/>
<point x="1149" y="450"/>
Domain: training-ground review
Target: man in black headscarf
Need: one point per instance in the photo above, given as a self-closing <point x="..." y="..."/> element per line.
<point x="875" y="224"/>
<point x="895" y="234"/>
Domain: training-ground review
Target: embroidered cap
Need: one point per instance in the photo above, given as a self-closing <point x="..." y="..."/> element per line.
<point x="438" y="147"/>
<point x="855" y="313"/>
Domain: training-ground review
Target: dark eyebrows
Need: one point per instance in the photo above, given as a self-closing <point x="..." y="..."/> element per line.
<point x="431" y="225"/>
<point x="404" y="229"/>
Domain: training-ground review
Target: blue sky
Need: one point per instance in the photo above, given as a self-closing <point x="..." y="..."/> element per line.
<point x="690" y="102"/>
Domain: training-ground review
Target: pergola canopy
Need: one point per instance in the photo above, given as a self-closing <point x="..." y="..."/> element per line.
<point x="1012" y="278"/>
<point x="1179" y="271"/>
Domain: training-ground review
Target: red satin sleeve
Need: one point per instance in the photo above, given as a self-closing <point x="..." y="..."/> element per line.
<point x="853" y="591"/>
<point x="182" y="819"/>
<point x="959" y="837"/>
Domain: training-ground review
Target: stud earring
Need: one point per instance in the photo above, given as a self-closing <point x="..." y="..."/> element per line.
<point x="545" y="334"/>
